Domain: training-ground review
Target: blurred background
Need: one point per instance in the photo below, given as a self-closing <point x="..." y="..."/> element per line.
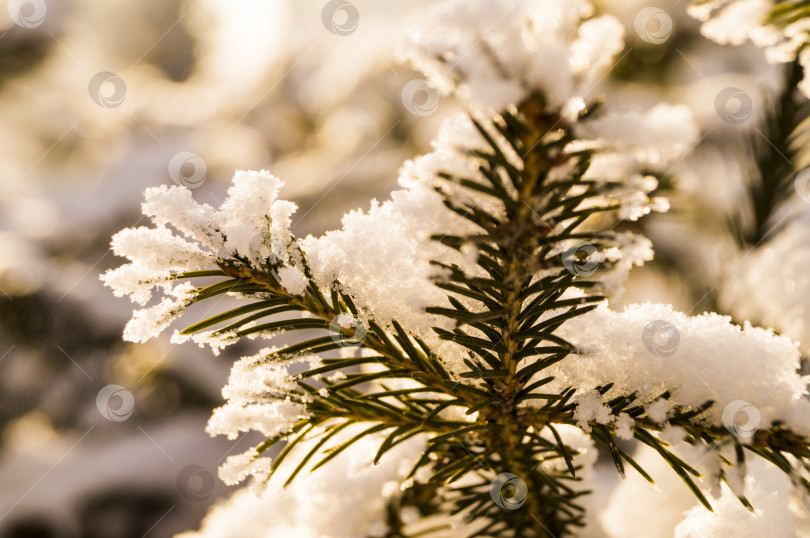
<point x="99" y="100"/>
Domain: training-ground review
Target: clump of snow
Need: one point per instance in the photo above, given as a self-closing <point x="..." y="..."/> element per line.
<point x="494" y="53"/>
<point x="649" y="348"/>
<point x="382" y="256"/>
<point x="176" y="206"/>
<point x="269" y="418"/>
<point x="293" y="279"/>
<point x="658" y="411"/>
<point x="734" y="23"/>
<point x="252" y="223"/>
<point x="158" y="250"/>
<point x="636" y="507"/>
<point x="624" y="424"/>
<point x="771" y="493"/>
<point x="246" y="212"/>
<point x="147" y="323"/>
<point x="629" y="250"/>
<point x="250" y="463"/>
<point x="344" y="499"/>
<point x="590" y="407"/>
<point x="258" y="399"/>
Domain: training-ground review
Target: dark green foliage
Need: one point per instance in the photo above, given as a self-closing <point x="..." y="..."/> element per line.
<point x="507" y="318"/>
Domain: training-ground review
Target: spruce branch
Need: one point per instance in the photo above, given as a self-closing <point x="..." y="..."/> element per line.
<point x="485" y="378"/>
<point x="505" y="320"/>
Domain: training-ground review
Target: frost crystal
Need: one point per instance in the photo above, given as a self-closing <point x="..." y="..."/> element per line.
<point x="147" y="323"/>
<point x="293" y="279"/>
<point x="257" y="399"/>
<point x="590" y="408"/>
<point x="252" y="223"/>
<point x="237" y="468"/>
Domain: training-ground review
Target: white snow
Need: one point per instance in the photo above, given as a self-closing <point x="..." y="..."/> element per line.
<point x="696" y="358"/>
<point x="344" y="499"/>
<point x="524" y="46"/>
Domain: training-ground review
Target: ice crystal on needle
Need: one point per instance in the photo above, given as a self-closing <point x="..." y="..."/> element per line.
<point x="252" y="223"/>
<point x="256" y="396"/>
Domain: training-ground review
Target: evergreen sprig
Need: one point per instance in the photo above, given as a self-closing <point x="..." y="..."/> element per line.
<point x="506" y="317"/>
